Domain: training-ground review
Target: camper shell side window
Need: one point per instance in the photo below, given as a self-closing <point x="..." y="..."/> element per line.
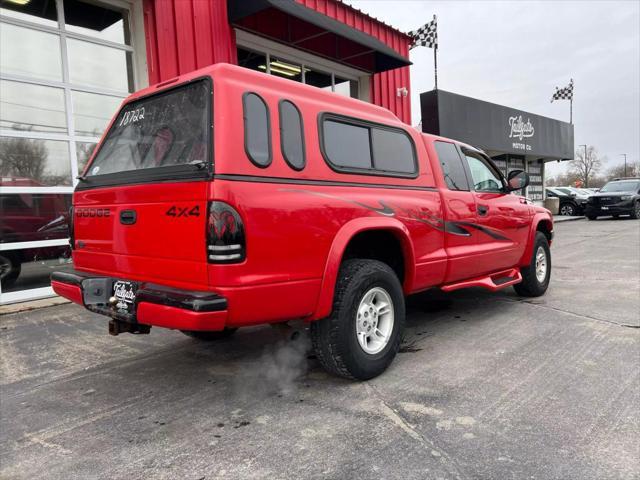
<point x="257" y="129"/>
<point x="351" y="145"/>
<point x="292" y="134"/>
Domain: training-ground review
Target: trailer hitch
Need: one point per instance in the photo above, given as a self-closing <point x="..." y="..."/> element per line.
<point x="117" y="327"/>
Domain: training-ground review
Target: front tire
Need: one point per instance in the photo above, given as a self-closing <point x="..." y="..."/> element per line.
<point x="591" y="217"/>
<point x="568" y="209"/>
<point x="536" y="276"/>
<point x="362" y="335"/>
<point x="635" y="212"/>
<point x="209" y="336"/>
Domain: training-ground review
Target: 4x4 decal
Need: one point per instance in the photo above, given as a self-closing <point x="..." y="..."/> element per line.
<point x="175" y="211"/>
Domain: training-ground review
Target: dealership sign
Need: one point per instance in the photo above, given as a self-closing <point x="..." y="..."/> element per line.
<point x="495" y="128"/>
<point x="520" y="130"/>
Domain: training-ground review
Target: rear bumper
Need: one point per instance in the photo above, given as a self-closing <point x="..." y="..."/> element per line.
<point x="155" y="305"/>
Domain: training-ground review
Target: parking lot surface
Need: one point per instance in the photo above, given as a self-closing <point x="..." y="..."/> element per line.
<point x="487" y="386"/>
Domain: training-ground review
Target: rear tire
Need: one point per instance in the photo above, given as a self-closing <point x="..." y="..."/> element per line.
<point x="209" y="336"/>
<point x="10" y="268"/>
<point x="591" y="217"/>
<point x="635" y="212"/>
<point x="350" y="344"/>
<point x="536" y="276"/>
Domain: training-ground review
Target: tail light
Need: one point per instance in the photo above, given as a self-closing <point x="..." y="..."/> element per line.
<point x="225" y="234"/>
<point x="70" y="227"/>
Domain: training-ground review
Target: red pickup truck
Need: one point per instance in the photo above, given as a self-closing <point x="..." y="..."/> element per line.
<point x="227" y="197"/>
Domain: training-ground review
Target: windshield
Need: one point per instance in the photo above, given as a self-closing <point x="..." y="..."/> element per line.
<point x="625" y="186"/>
<point x="168" y="129"/>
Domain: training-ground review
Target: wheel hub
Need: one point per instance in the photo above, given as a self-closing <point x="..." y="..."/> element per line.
<point x="541" y="264"/>
<point x="374" y="322"/>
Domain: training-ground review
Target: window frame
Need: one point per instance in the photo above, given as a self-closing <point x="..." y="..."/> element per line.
<point x="358" y="122"/>
<point x="270" y="48"/>
<point x="488" y="163"/>
<point x="244" y="123"/>
<point x="302" y="135"/>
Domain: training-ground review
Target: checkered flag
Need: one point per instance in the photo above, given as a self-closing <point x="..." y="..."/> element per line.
<point x="565" y="93"/>
<point x="425" y="36"/>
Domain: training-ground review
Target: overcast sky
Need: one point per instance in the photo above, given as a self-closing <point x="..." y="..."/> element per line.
<point x="515" y="53"/>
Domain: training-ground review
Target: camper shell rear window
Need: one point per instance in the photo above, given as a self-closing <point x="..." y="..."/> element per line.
<point x="162" y="136"/>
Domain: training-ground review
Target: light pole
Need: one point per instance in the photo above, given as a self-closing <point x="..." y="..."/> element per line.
<point x="625" y="163"/>
<point x="585" y="151"/>
<point x="586" y="180"/>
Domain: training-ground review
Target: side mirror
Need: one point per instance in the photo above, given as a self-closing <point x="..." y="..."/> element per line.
<point x="517" y="180"/>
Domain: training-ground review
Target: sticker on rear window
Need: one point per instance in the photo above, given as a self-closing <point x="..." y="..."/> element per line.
<point x="132" y="116"/>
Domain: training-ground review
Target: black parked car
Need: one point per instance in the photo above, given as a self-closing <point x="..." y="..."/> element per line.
<point x="569" y="204"/>
<point x="618" y="197"/>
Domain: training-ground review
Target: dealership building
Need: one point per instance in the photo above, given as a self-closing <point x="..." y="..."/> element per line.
<point x="66" y="65"/>
<point x="514" y="139"/>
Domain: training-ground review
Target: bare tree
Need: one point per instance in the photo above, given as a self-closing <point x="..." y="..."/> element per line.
<point x="633" y="170"/>
<point x="23" y="157"/>
<point x="562" y="180"/>
<point x="585" y="167"/>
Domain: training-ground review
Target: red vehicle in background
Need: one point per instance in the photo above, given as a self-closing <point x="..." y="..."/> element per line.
<point x="226" y="198"/>
<point x="30" y="217"/>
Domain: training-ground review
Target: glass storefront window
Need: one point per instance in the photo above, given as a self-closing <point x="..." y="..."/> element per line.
<point x="34" y="108"/>
<point x="92" y="112"/>
<point x="99" y="66"/>
<point x="285" y="69"/>
<point x="252" y="60"/>
<point x="96" y="21"/>
<point x="297" y="71"/>
<point x="348" y="88"/>
<point x="31" y="217"/>
<point x="29" y="268"/>
<point x="42" y="12"/>
<point x="84" y="152"/>
<point x="50" y="107"/>
<point x="318" y="79"/>
<point x="35" y="161"/>
<point x="31" y="53"/>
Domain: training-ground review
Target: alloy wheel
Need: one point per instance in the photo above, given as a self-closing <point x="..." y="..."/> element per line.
<point x="541" y="264"/>
<point x="375" y="319"/>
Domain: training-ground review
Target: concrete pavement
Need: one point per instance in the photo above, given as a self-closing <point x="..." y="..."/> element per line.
<point x="488" y="386"/>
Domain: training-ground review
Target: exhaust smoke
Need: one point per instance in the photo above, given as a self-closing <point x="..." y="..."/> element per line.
<point x="279" y="367"/>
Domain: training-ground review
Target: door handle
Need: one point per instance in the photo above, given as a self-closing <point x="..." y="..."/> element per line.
<point x="128" y="217"/>
<point x="483" y="210"/>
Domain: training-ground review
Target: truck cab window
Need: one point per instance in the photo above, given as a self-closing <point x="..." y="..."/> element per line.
<point x="484" y="179"/>
<point x="452" y="167"/>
